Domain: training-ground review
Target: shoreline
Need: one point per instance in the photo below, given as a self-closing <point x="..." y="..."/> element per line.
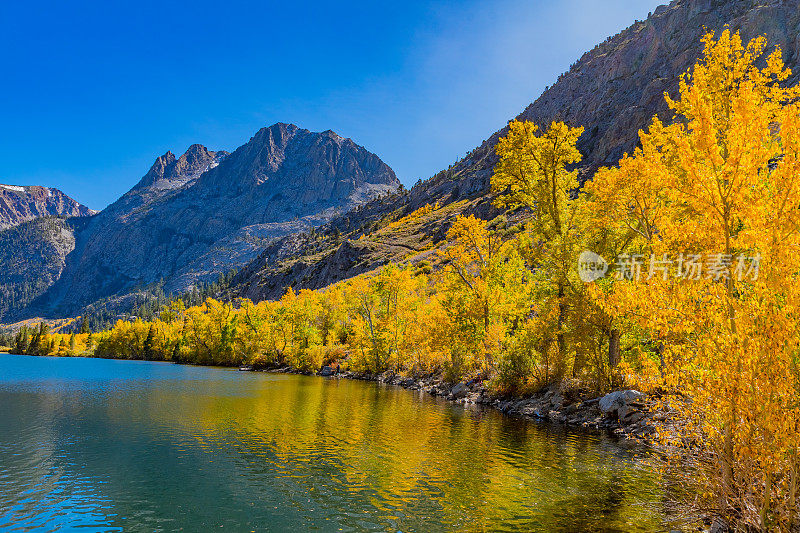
<point x="625" y="414"/>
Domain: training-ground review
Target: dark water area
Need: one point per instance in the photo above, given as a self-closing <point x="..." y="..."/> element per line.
<point x="103" y="445"/>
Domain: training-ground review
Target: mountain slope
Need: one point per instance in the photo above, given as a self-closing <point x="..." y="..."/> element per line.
<point x="33" y="255"/>
<point x="193" y="217"/>
<point x="19" y="204"/>
<point x="613" y="91"/>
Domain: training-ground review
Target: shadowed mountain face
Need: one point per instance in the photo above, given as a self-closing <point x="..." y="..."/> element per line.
<point x="19" y="204"/>
<point x="193" y="217"/>
<point x="613" y="91"/>
<point x="32" y="257"/>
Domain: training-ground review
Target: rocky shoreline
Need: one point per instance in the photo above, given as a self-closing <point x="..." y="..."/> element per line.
<point x="623" y="413"/>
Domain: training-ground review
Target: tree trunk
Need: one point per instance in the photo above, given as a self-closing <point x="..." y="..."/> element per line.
<point x="613" y="348"/>
<point x="561" y="343"/>
<point x="580" y="361"/>
<point x="765" y="506"/>
<point x="793" y="495"/>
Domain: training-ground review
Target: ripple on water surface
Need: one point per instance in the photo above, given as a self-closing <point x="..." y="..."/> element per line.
<point x="130" y="445"/>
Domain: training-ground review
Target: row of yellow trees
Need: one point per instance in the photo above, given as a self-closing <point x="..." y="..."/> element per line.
<point x="510" y="307"/>
<point x="37" y="340"/>
<point x="488" y="313"/>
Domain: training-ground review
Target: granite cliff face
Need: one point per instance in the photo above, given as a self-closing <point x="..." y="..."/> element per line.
<point x="613" y="91"/>
<point x="193" y="217"/>
<point x="37" y="227"/>
<point x="19" y="204"/>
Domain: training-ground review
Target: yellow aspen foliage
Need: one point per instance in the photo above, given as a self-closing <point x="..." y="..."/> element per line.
<point x="721" y="180"/>
<point x="388" y="313"/>
<point x="413" y="216"/>
<point x="534" y="171"/>
<point x="484" y="288"/>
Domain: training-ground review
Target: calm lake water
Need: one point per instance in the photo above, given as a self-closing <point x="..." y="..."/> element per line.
<point x="106" y="445"/>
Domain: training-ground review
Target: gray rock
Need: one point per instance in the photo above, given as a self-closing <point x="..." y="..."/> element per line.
<point x="326" y="371"/>
<point x="647" y="429"/>
<point x="611" y="402"/>
<point x="20" y="204"/>
<point x="32" y="257"/>
<point x="472" y="397"/>
<point x="720" y="525"/>
<point x="557" y="400"/>
<point x="408" y="383"/>
<point x="628" y="414"/>
<point x="460" y="390"/>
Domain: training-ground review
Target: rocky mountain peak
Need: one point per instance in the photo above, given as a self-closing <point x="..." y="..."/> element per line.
<point x="203" y="213"/>
<point x="333" y="135"/>
<point x="196" y="151"/>
<point x="169" y="172"/>
<point x="284" y="157"/>
<point x="19" y="204"/>
<point x="159" y="169"/>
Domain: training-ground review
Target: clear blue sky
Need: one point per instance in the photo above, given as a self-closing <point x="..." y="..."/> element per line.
<point x="92" y="92"/>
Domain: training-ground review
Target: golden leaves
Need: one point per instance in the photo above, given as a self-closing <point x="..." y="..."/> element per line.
<point x="722" y="178"/>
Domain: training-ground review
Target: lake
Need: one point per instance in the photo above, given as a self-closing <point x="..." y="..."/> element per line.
<point x="108" y="445"/>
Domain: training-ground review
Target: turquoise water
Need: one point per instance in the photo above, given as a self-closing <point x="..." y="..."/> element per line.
<point x="96" y="444"/>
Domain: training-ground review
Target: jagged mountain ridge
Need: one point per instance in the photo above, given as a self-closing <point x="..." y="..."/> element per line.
<point x="20" y="204"/>
<point x="613" y="91"/>
<point x="193" y="217"/>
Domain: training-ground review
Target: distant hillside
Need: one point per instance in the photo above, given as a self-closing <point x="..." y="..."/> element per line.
<point x="613" y="91"/>
<point x="33" y="255"/>
<point x="19" y="204"/>
<point x="193" y="217"/>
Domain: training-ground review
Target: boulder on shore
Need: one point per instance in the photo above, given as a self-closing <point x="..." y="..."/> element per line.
<point x="628" y="414"/>
<point x="459" y="391"/>
<point x="612" y="402"/>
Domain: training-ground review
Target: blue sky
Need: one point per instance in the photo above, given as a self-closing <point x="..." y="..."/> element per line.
<point x="92" y="92"/>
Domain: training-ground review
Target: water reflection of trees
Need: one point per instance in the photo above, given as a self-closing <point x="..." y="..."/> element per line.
<point x="391" y="458"/>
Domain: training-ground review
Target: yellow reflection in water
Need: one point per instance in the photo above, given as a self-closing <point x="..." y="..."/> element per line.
<point x="409" y="459"/>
